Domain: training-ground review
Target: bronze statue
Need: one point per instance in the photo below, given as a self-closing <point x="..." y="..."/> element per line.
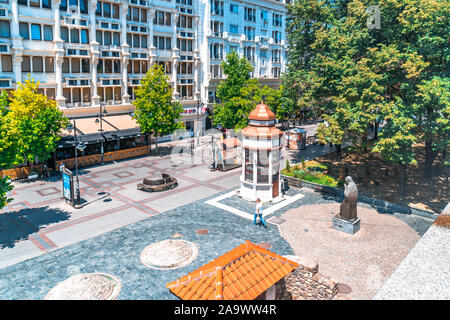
<point x="348" y="206"/>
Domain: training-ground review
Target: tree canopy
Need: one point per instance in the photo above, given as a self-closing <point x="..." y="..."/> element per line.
<point x="358" y="77"/>
<point x="239" y="94"/>
<point x="156" y="110"/>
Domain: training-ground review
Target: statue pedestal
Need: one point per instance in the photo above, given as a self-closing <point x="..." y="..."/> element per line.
<point x="350" y="227"/>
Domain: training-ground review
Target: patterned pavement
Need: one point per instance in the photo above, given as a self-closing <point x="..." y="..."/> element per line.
<point x="38" y="220"/>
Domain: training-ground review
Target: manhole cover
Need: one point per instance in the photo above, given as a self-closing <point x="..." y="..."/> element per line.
<point x="265" y="245"/>
<point x="343" y="288"/>
<point x="169" y="254"/>
<point x="202" y="231"/>
<point x="87" y="286"/>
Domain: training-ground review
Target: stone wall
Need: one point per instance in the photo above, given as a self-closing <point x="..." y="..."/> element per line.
<point x="306" y="283"/>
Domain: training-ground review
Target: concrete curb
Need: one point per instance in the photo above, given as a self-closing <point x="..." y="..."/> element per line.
<point x="377" y="203"/>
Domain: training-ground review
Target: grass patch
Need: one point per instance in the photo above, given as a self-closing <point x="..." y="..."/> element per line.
<point x="311" y="171"/>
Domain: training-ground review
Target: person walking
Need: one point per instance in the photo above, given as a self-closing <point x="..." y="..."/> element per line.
<point x="258" y="212"/>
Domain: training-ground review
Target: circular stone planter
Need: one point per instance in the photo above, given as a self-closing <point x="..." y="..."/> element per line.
<point x="86" y="286"/>
<point x="169" y="254"/>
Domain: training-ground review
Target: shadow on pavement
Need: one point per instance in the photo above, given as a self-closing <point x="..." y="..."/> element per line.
<point x="19" y="225"/>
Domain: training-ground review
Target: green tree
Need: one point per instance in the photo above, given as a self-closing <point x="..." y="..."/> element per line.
<point x="156" y="110"/>
<point x="359" y="77"/>
<point x="239" y="94"/>
<point x="5" y="187"/>
<point x="432" y="115"/>
<point x="30" y="127"/>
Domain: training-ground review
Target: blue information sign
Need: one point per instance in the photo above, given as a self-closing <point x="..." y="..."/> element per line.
<point x="67" y="185"/>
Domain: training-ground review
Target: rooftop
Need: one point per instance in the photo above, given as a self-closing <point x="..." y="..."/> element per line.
<point x="243" y="273"/>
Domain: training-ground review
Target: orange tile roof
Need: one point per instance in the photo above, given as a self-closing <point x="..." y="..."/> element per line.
<point x="262" y="113"/>
<point x="240" y="274"/>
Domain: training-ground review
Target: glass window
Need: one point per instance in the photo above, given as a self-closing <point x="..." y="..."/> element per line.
<point x="98" y="11"/>
<point x="84" y="36"/>
<point x="74" y="36"/>
<point x="4" y="29"/>
<point x="129" y="39"/>
<point x="75" y="65"/>
<point x="136" y="14"/>
<point x="7" y="63"/>
<point x="66" y="94"/>
<point x="76" y="92"/>
<point x="35" y="3"/>
<point x="161" y="43"/>
<point x="168" y="43"/>
<point x="107" y="38"/>
<point x="26" y="64"/>
<point x="116" y="65"/>
<point x="155" y="42"/>
<point x="83" y="6"/>
<point x="65" y="34"/>
<point x="160" y="17"/>
<point x="108" y="66"/>
<point x="46" y="4"/>
<point x="48" y="33"/>
<point x="143" y="15"/>
<point x="168" y="17"/>
<point x="85" y="66"/>
<point x="23" y="30"/>
<point x="106" y="9"/>
<point x="51" y="93"/>
<point x="23" y="2"/>
<point x="36" y="32"/>
<point x="117" y="93"/>
<point x="38" y="65"/>
<point x="98" y="37"/>
<point x="49" y="65"/>
<point x="108" y="93"/>
<point x="135" y="40"/>
<point x="116" y="39"/>
<point x="143" y="41"/>
<point x="65" y="65"/>
<point x="234" y="28"/>
<point x="86" y="94"/>
<point x="115" y="11"/>
<point x="63" y="5"/>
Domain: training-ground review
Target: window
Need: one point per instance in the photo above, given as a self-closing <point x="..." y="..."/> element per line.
<point x="107" y="38"/>
<point x="115" y="11"/>
<point x="4" y="29"/>
<point x="83" y="6"/>
<point x="23" y="30"/>
<point x="106" y="10"/>
<point x="168" y="44"/>
<point x="7" y="63"/>
<point x="85" y="66"/>
<point x="65" y="34"/>
<point x="35" y="3"/>
<point x="136" y="41"/>
<point x="51" y="93"/>
<point x="276" y="20"/>
<point x="63" y="5"/>
<point x="116" y="39"/>
<point x="250" y="14"/>
<point x="26" y="64"/>
<point x="74" y="36"/>
<point x="46" y="4"/>
<point x="84" y="36"/>
<point x="38" y="65"/>
<point x="135" y="14"/>
<point x="75" y="63"/>
<point x="23" y="2"/>
<point x="48" y="33"/>
<point x="65" y="65"/>
<point x="36" y="32"/>
<point x="98" y="11"/>
<point x="143" y="41"/>
<point x="234" y="29"/>
<point x="234" y="8"/>
<point x="49" y="65"/>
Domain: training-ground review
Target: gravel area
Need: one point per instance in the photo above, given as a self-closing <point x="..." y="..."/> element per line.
<point x="169" y="254"/>
<point x="363" y="261"/>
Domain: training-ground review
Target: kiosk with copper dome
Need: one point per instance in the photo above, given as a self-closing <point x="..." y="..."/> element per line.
<point x="261" y="154"/>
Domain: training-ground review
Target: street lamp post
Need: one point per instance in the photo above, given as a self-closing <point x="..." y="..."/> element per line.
<point x="101" y="115"/>
<point x="78" y="146"/>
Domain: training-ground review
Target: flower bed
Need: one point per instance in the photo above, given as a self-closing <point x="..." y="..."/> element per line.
<point x="311" y="171"/>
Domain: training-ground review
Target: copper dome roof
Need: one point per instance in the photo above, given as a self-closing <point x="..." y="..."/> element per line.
<point x="262" y="113"/>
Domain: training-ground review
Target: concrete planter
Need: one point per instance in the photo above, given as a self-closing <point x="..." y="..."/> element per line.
<point x="376" y="203"/>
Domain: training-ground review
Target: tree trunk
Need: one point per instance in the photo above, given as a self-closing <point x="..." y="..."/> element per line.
<point x="402" y="179"/>
<point x="156" y="143"/>
<point x="375" y="133"/>
<point x="338" y="152"/>
<point x="429" y="157"/>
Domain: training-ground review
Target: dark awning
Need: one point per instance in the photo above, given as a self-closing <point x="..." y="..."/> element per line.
<point x="122" y="134"/>
<point x="68" y="141"/>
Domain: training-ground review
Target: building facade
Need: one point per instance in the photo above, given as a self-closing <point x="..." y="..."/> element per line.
<point x="87" y="53"/>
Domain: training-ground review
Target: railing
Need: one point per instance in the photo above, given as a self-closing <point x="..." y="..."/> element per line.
<point x="107" y="157"/>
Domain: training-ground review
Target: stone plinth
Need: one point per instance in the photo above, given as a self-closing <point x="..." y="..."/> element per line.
<point x="350" y="227"/>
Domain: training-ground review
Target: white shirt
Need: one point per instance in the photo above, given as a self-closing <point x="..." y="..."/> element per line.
<point x="259" y="208"/>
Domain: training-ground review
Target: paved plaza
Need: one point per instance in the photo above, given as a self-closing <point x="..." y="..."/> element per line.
<point x="44" y="241"/>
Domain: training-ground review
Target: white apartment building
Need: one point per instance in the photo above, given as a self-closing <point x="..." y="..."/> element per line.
<point x="88" y="53"/>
